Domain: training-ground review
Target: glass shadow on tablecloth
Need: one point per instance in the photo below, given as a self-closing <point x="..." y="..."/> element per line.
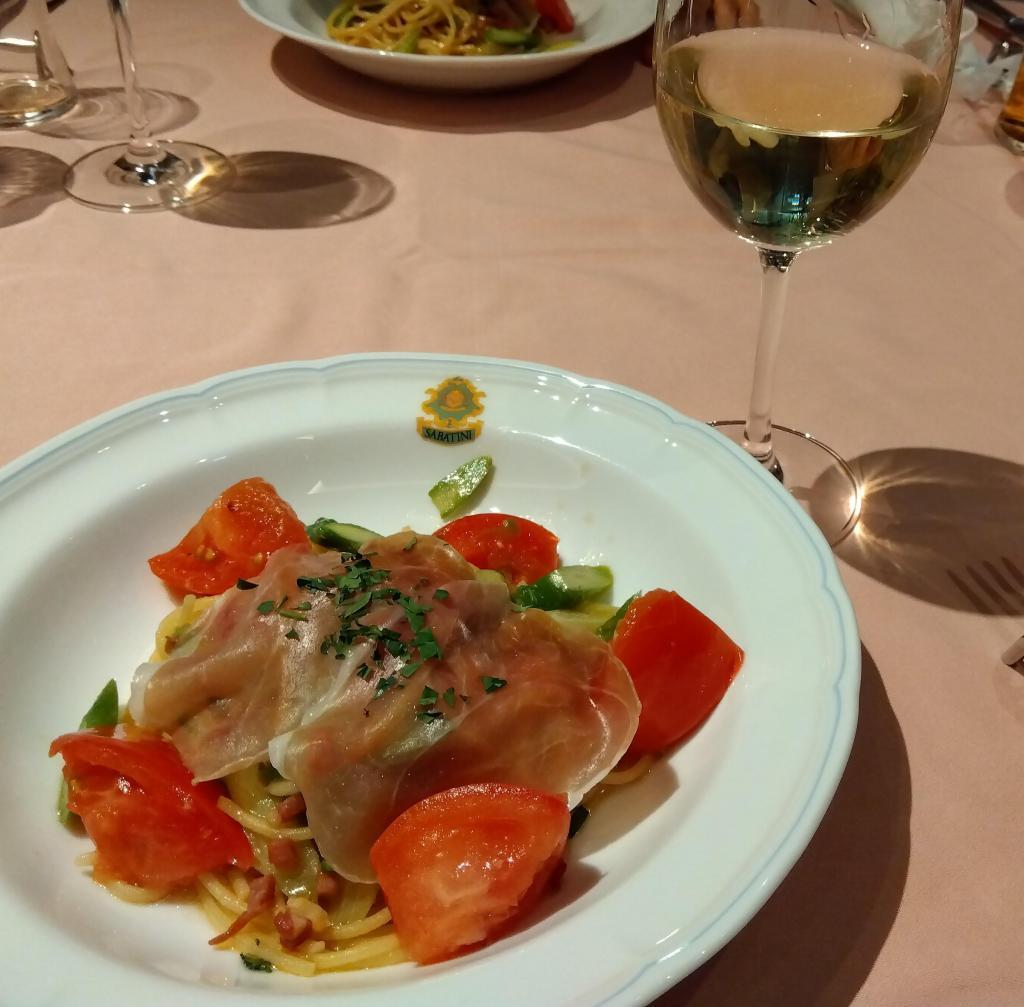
<point x="101" y="114"/>
<point x="278" y="189"/>
<point x="817" y="938"/>
<point x="609" y="86"/>
<point x="30" y="181"/>
<point x="943" y="526"/>
<point x="1015" y="193"/>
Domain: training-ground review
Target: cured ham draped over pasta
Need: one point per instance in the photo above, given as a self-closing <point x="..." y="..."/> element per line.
<point x="374" y="684"/>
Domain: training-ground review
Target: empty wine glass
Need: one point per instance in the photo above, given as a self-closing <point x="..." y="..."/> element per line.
<point x="793" y="121"/>
<point x="144" y="174"/>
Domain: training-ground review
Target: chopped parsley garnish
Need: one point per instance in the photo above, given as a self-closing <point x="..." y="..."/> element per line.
<point x="428" y="697"/>
<point x="429" y="715"/>
<point x="383" y="685"/>
<point x="492" y="684"/>
<point x="316" y="584"/>
<point x="410" y="669"/>
<point x="256" y="964"/>
<point x="292" y="634"/>
<point x="245" y="585"/>
<point x="356" y="605"/>
<point x="411" y="544"/>
<point x="297" y="613"/>
<point x="440" y="594"/>
<point x="353" y="591"/>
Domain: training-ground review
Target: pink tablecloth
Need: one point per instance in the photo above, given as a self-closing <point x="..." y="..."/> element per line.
<point x="551" y="225"/>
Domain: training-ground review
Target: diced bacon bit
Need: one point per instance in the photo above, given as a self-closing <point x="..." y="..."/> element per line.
<point x="328" y="886"/>
<point x="291" y="807"/>
<point x="283" y="854"/>
<point x="261" y="898"/>
<point x="292" y="928"/>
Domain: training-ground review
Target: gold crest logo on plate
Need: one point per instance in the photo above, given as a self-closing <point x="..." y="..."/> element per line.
<point x="451" y="409"/>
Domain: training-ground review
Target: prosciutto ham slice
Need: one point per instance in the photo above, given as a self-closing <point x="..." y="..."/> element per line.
<point x="450" y="685"/>
<point x="239" y="681"/>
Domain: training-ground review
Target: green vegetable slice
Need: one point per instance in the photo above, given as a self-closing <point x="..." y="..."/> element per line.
<point x="590" y="616"/>
<point x="409" y="42"/>
<point x="566" y="587"/>
<point x="331" y="534"/>
<point x="256" y="964"/>
<point x="456" y="490"/>
<point x="103" y="713"/>
<point x="607" y="629"/>
<point x="511" y="37"/>
<point x="340" y="16"/>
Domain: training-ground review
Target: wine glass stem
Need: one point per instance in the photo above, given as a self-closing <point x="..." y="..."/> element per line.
<point x="142" y="148"/>
<point x="757" y="435"/>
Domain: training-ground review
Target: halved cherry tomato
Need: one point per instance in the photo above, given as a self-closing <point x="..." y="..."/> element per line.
<point x="232" y="540"/>
<point x="460" y="867"/>
<point x="681" y="664"/>
<point x="519" y="549"/>
<point x="557" y="12"/>
<point x="152" y="826"/>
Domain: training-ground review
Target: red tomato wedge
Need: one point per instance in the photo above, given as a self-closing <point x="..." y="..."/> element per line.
<point x="460" y="867"/>
<point x="152" y="826"/>
<point x="681" y="664"/>
<point x="232" y="540"/>
<point x="557" y="12"/>
<point x="519" y="549"/>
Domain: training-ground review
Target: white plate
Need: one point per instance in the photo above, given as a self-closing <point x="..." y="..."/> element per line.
<point x="663" y="874"/>
<point x="600" y="25"/>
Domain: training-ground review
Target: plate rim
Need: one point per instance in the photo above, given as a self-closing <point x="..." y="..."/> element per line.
<point x="648" y="981"/>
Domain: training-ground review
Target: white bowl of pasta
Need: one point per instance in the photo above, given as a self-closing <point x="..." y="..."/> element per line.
<point x="598" y="25"/>
<point x="666" y="869"/>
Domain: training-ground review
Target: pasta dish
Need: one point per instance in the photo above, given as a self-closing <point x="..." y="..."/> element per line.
<point x="355" y="749"/>
<point x="452" y="27"/>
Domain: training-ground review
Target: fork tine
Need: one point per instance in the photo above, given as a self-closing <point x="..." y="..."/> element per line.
<point x="977" y="602"/>
<point x="1014" y="570"/>
<point x="997" y="576"/>
<point x="999" y="601"/>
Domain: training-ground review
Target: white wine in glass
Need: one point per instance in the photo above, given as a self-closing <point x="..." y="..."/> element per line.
<point x="792" y="122"/>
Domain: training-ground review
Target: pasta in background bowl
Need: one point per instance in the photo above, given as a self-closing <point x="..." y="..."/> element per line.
<point x="600" y="25"/>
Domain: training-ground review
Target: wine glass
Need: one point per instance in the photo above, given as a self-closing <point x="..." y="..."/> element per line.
<point x="793" y="121"/>
<point x="145" y="173"/>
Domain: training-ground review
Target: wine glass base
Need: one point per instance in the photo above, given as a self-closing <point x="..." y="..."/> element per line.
<point x="818" y="478"/>
<point x="186" y="174"/>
